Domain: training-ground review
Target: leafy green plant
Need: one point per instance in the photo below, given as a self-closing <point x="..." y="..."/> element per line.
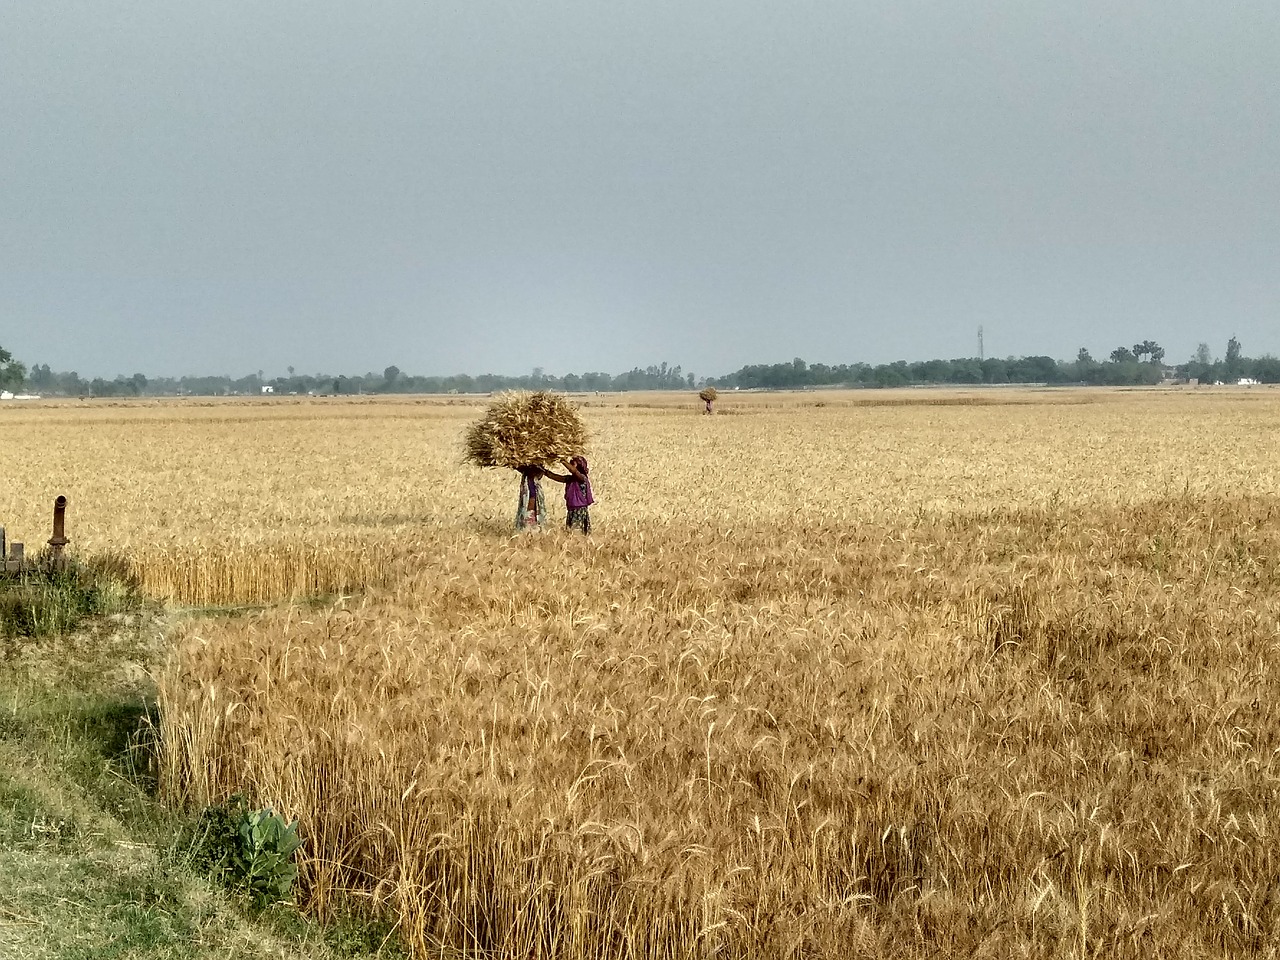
<point x="268" y="845"/>
<point x="246" y="850"/>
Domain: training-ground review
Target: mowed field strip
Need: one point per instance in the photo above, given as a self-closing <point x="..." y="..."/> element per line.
<point x="910" y="673"/>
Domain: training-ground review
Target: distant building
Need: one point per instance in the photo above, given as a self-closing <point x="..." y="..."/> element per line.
<point x="268" y="388"/>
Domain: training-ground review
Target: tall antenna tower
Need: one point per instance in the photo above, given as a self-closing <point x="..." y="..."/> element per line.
<point x="982" y="355"/>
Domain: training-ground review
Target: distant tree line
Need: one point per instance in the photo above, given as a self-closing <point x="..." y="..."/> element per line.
<point x="42" y="379"/>
<point x="1139" y="364"/>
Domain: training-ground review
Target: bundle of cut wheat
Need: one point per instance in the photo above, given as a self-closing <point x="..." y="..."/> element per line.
<point x="708" y="394"/>
<point x="523" y="429"/>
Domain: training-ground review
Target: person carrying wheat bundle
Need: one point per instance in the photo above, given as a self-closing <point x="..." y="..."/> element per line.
<point x="708" y="397"/>
<point x="531" y="507"/>
<point x="525" y="431"/>
<point x="577" y="493"/>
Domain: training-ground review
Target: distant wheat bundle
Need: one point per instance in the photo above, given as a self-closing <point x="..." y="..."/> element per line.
<point x="708" y="394"/>
<point x="522" y="428"/>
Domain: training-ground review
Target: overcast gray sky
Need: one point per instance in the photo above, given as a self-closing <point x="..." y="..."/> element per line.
<point x="481" y="186"/>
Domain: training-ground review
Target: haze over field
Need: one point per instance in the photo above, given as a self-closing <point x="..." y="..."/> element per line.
<point x="495" y="186"/>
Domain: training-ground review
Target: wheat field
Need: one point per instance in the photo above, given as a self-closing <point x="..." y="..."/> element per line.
<point x="913" y="674"/>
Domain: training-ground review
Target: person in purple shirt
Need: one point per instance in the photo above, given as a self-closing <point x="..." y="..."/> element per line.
<point x="577" y="493"/>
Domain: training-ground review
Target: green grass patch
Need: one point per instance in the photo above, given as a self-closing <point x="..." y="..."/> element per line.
<point x="91" y="864"/>
<point x="48" y="600"/>
<point x="27" y="823"/>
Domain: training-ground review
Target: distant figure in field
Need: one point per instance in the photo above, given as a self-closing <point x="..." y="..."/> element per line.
<point x="707" y="408"/>
<point x="577" y="493"/>
<point x="531" y="510"/>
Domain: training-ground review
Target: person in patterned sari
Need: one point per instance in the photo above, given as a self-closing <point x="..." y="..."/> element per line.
<point x="531" y="509"/>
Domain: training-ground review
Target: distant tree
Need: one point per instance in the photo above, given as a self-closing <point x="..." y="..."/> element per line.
<point x="41" y="378"/>
<point x="1231" y="361"/>
<point x="1033" y="370"/>
<point x="1122" y="355"/>
<point x="1266" y="369"/>
<point x="1149" y="349"/>
<point x="110" y="388"/>
<point x="248" y="385"/>
<point x="1083" y="356"/>
<point x="995" y="370"/>
<point x="966" y="370"/>
<point x="930" y="371"/>
<point x="1200" y="366"/>
<point x="205" y="386"/>
<point x="71" y="384"/>
<point x="390" y="377"/>
<point x="894" y="374"/>
<point x="818" y="373"/>
<point x="12" y="373"/>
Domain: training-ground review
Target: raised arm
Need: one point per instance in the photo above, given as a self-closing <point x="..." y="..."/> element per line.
<point x="576" y="473"/>
<point x="556" y="477"/>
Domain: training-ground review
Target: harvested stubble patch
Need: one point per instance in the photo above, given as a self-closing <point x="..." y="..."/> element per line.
<point x="520" y="429"/>
<point x="1029" y="735"/>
